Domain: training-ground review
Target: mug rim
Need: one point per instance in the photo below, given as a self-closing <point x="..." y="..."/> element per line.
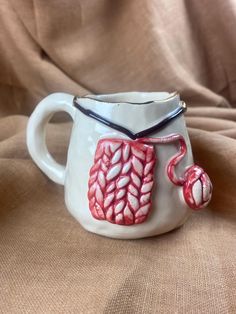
<point x="107" y="98"/>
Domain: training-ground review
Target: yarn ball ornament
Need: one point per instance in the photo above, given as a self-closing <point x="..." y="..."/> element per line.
<point x="197" y="188"/>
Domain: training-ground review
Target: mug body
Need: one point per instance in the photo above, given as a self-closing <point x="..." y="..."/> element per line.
<point x="136" y="111"/>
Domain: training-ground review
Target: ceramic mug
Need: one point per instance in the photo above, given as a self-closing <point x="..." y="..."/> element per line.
<point x="130" y="171"/>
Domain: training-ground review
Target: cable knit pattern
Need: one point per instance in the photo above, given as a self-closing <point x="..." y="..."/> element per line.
<point x="121" y="181"/>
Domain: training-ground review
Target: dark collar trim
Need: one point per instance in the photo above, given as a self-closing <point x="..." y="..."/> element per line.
<point x="169" y="117"/>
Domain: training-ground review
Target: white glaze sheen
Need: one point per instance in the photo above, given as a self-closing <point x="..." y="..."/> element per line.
<point x="168" y="209"/>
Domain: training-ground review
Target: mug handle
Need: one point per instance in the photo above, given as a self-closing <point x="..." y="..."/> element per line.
<point x="36" y="133"/>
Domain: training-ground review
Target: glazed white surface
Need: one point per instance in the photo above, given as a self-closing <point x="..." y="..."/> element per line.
<point x="168" y="208"/>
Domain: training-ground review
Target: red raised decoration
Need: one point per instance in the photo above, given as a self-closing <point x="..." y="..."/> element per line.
<point x="122" y="178"/>
<point x="121" y="181"/>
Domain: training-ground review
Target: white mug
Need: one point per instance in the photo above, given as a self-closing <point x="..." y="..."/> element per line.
<point x="130" y="171"/>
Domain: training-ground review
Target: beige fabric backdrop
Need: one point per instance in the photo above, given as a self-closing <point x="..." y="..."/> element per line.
<point x="48" y="263"/>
